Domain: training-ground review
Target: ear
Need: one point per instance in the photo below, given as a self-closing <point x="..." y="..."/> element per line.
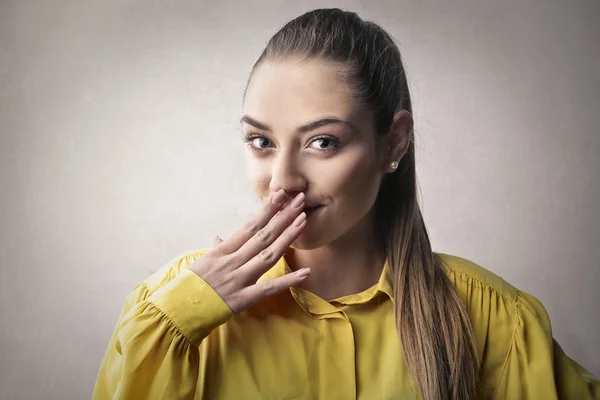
<point x="398" y="139"/>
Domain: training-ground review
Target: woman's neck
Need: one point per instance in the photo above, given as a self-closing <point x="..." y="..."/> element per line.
<point x="348" y="265"/>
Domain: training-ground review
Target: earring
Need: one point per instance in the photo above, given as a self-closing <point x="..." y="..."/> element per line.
<point x="394" y="164"/>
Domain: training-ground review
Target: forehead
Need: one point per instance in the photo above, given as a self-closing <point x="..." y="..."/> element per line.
<point x="293" y="92"/>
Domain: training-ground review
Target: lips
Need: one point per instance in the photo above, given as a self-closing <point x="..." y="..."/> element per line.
<point x="309" y="210"/>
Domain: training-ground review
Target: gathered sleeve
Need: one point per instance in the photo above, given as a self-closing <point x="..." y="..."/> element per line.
<point x="536" y="367"/>
<point x="153" y="352"/>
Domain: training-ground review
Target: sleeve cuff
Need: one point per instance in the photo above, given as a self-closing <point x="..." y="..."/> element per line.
<point x="192" y="305"/>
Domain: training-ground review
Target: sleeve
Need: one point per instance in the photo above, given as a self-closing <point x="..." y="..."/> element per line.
<point x="153" y="352"/>
<point x="536" y="367"/>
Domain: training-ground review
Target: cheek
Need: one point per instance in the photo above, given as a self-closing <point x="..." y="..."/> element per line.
<point x="353" y="180"/>
<point x="258" y="175"/>
<point x="361" y="190"/>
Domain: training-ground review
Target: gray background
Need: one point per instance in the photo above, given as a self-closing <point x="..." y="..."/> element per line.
<point x="120" y="149"/>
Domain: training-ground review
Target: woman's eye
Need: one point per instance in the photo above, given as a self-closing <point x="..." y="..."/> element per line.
<point x="261" y="142"/>
<point x="258" y="142"/>
<point x="324" y="143"/>
<point x="321" y="143"/>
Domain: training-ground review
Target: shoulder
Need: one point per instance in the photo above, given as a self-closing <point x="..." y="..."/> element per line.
<point x="487" y="295"/>
<point x="171" y="269"/>
<point x="499" y="313"/>
<point x="477" y="284"/>
<point x="467" y="274"/>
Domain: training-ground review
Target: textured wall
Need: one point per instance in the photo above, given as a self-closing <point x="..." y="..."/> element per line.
<point x="119" y="149"/>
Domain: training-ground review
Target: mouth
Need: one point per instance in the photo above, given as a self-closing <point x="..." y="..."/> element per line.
<point x="312" y="210"/>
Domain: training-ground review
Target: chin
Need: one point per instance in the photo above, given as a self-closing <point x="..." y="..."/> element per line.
<point x="308" y="242"/>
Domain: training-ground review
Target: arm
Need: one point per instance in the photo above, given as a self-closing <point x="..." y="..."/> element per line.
<point x="536" y="367"/>
<point x="154" y="349"/>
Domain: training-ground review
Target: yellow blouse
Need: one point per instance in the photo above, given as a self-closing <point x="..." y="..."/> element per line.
<point x="177" y="339"/>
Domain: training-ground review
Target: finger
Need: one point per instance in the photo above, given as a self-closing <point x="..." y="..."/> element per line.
<point x="242" y="235"/>
<point x="259" y="291"/>
<point x="265" y="259"/>
<point x="276" y="214"/>
<point x="270" y="232"/>
<point x="217" y="241"/>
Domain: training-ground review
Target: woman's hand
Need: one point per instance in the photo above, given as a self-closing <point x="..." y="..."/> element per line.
<point x="233" y="266"/>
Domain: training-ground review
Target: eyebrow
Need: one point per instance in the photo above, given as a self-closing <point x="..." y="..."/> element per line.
<point x="301" y="129"/>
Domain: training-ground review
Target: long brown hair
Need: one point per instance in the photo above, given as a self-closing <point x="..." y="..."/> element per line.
<point x="431" y="319"/>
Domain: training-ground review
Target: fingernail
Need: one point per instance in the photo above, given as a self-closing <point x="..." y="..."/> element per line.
<point x="300" y="219"/>
<point x="298" y="200"/>
<point x="303" y="273"/>
<point x="279" y="197"/>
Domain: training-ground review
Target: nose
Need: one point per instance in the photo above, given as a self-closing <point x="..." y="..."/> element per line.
<point x="286" y="175"/>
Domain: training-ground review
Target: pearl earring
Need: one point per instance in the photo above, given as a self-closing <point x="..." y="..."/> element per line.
<point x="394" y="164"/>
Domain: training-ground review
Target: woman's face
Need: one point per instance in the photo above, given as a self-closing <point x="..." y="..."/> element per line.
<point x="305" y="133"/>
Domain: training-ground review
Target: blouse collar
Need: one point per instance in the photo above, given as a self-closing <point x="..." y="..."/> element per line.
<point x="317" y="306"/>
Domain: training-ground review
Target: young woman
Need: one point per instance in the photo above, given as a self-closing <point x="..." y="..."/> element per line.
<point x="332" y="290"/>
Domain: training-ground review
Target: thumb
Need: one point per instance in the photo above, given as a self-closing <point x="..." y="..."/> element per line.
<point x="217" y="241"/>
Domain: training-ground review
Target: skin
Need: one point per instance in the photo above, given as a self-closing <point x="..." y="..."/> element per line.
<point x="336" y="164"/>
<point x="337" y="243"/>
